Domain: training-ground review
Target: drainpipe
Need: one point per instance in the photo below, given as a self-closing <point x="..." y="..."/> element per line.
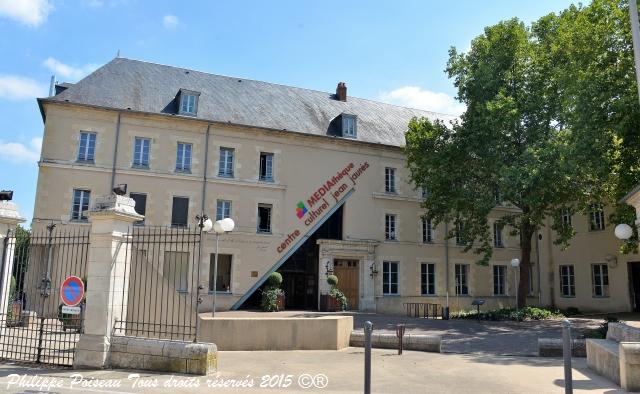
<point x="115" y="153"/>
<point x="446" y="260"/>
<point x="206" y="161"/>
<point x="538" y="265"/>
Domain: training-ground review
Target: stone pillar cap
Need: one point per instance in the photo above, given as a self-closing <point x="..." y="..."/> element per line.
<point x="9" y="213"/>
<point x="114" y="204"/>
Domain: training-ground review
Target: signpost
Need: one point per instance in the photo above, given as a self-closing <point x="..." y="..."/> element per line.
<point x="72" y="292"/>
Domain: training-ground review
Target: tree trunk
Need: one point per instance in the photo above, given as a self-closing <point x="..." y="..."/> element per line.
<point x="525" y="262"/>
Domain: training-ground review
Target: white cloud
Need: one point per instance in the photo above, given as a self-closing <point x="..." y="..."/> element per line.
<point x="13" y="87"/>
<point x="16" y="152"/>
<point x="29" y="12"/>
<point x="169" y="21"/>
<point x="416" y="97"/>
<point x="66" y="71"/>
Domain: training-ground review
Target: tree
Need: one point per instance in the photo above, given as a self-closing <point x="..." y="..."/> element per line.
<point x="510" y="142"/>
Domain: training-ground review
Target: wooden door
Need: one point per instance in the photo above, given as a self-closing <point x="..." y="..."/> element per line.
<point x="348" y="280"/>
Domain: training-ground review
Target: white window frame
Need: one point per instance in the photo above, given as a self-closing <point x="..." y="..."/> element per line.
<point x="596" y="216"/>
<point x="183" y="161"/>
<point x="390" y="227"/>
<point x="226" y="162"/>
<point x="386" y="270"/>
<point x="459" y="233"/>
<point x="565" y="216"/>
<point x="461" y="278"/>
<point x="188" y="103"/>
<point x="268" y="176"/>
<point x="85" y="155"/>
<point x="427" y="231"/>
<point x="390" y="180"/>
<point x="499" y="275"/>
<point x="428" y="270"/>
<point x="600" y="279"/>
<point x="497" y="236"/>
<point x="270" y="230"/>
<point x="139" y="159"/>
<point x="349" y="126"/>
<point x="82" y="205"/>
<point x="223" y="209"/>
<point x="568" y="290"/>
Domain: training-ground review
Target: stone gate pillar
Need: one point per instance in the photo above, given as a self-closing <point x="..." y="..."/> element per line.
<point x="111" y="218"/>
<point x="9" y="219"/>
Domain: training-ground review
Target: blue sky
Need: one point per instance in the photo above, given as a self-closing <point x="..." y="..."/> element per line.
<point x="392" y="51"/>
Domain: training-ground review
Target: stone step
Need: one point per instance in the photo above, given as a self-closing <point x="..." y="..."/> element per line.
<point x="381" y="340"/>
<point x="620" y="332"/>
<point x="552" y="347"/>
<point x="603" y="356"/>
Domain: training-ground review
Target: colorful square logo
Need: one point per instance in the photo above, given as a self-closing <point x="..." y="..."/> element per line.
<point x="300" y="209"/>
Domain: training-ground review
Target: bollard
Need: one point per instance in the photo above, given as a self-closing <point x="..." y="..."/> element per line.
<point x="400" y="334"/>
<point x="368" y="329"/>
<point x="566" y="353"/>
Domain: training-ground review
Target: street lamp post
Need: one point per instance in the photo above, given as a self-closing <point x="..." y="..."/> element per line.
<point x="515" y="263"/>
<point x="219" y="227"/>
<point x="205" y="224"/>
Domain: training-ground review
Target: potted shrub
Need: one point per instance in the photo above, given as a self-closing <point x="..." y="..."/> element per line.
<point x="335" y="300"/>
<point x="272" y="295"/>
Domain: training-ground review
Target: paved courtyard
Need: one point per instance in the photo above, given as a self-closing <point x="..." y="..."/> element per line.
<point x="481" y="337"/>
<point x="329" y="372"/>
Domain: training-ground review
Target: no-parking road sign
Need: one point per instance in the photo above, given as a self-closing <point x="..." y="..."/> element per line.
<point x="72" y="291"/>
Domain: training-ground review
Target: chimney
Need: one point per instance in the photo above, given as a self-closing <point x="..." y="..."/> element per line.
<point x="341" y="91"/>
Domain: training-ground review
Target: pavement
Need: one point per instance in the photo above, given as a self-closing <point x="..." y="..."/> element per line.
<point x="326" y="372"/>
<point x="468" y="336"/>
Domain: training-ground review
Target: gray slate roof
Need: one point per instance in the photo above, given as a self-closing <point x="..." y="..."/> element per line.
<point x="141" y="86"/>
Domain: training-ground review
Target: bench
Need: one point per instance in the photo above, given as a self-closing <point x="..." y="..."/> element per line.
<point x="618" y="356"/>
<point x="423" y="309"/>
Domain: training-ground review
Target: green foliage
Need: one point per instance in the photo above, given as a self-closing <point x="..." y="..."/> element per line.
<point x="337" y="294"/>
<point x="526" y="313"/>
<point x="12" y="296"/>
<point x="601" y="332"/>
<point x="274" y="280"/>
<point x="332" y="280"/>
<point x="551" y="122"/>
<point x="269" y="301"/>
<point x="572" y="311"/>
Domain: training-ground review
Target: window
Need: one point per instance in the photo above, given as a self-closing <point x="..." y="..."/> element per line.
<point x="567" y="281"/>
<point x="223" y="209"/>
<point x="497" y="195"/>
<point x="425" y="192"/>
<point x="188" y="103"/>
<point x="80" y="204"/>
<point x="223" y="282"/>
<point x="226" y="162"/>
<point x="497" y="235"/>
<point x="597" y="217"/>
<point x="462" y="279"/>
<point x="389" y="278"/>
<point x="176" y="269"/>
<point x="390" y="227"/>
<point x="141" y="152"/>
<point x="266" y="167"/>
<point x="264" y="218"/>
<point x="141" y="205"/>
<point x="565" y="217"/>
<point x="87" y="146"/>
<point x="348" y="125"/>
<point x="600" y="279"/>
<point x="499" y="279"/>
<point x="427" y="231"/>
<point x="183" y="157"/>
<point x="427" y="279"/>
<point x="390" y="180"/>
<point x="180" y="211"/>
<point x="459" y="233"/>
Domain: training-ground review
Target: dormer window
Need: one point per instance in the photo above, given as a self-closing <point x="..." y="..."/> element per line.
<point x="349" y="126"/>
<point x="188" y="103"/>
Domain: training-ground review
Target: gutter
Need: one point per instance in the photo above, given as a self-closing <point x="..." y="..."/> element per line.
<point x="115" y="153"/>
<point x="206" y="161"/>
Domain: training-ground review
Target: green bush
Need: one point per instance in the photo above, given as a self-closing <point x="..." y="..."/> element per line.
<point x="269" y="302"/>
<point x="274" y="280"/>
<point x="12" y="296"/>
<point x="337" y="294"/>
<point x="572" y="311"/>
<point x="332" y="280"/>
<point x="526" y="313"/>
<point x="601" y="332"/>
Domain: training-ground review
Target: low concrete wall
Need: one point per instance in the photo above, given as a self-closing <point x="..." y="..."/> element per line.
<point x="621" y="332"/>
<point x="603" y="357"/>
<point x="552" y="347"/>
<point x="630" y="365"/>
<point x="311" y="332"/>
<point x="163" y="356"/>
<point x="421" y="342"/>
